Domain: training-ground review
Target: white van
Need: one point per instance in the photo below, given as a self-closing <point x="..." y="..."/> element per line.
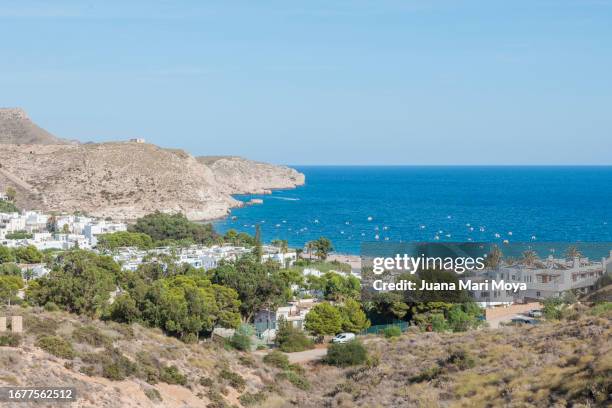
<point x="343" y="338"/>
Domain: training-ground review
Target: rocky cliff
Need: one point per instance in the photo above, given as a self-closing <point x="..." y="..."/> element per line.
<point x="125" y="180"/>
<point x="249" y="177"/>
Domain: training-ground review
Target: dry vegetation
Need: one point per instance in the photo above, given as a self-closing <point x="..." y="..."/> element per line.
<point x="555" y="364"/>
<point x="116" y="365"/>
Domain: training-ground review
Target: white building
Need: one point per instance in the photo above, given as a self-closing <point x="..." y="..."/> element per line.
<point x="73" y="223"/>
<point x="12" y="222"/>
<point x="92" y="229"/>
<point x="275" y="254"/>
<point x="266" y="321"/>
<point x="550" y="278"/>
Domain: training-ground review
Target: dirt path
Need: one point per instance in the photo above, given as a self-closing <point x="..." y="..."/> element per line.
<point x="308" y="355"/>
<point x="301" y="356"/>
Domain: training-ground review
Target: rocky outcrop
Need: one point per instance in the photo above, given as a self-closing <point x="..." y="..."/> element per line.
<point x="126" y="180"/>
<point x="244" y="176"/>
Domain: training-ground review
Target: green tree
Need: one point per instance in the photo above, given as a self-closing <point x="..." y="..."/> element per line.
<point x="281" y="244"/>
<point x="338" y="287"/>
<point x="11" y="194"/>
<point x="259" y="286"/>
<point x="124" y="309"/>
<point x="291" y="339"/>
<point x="8" y="207"/>
<point x="6" y="255"/>
<point x="494" y="257"/>
<point x="10" y="269"/>
<point x="258" y="246"/>
<point x="573" y="252"/>
<point x="323" y="319"/>
<point x="174" y="227"/>
<point x="529" y="257"/>
<point x="354" y="319"/>
<point x="28" y="254"/>
<point x="387" y="306"/>
<point x="239" y="238"/>
<point x="80" y="282"/>
<point x="124" y="239"/>
<point x="322" y="247"/>
<point x="9" y="286"/>
<point x="189" y="305"/>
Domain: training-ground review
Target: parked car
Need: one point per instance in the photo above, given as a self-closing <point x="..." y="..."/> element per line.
<point x="343" y="338"/>
<point x="523" y="320"/>
<point x="535" y="313"/>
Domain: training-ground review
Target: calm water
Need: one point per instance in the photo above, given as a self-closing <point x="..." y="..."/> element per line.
<point x="350" y="205"/>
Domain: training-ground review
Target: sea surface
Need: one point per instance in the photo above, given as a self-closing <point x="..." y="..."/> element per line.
<point x="355" y="204"/>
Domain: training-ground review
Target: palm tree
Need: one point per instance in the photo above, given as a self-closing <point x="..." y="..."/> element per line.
<point x="529" y="257"/>
<point x="573" y="253"/>
<point x="494" y="257"/>
<point x="310" y="245"/>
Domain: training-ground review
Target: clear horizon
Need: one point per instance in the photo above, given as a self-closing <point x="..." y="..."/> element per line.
<point x="319" y="82"/>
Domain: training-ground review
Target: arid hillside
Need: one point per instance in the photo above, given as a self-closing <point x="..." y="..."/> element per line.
<point x="114" y="365"/>
<point x="248" y="177"/>
<point x="125" y="180"/>
<point x="16" y="127"/>
<point x="565" y="363"/>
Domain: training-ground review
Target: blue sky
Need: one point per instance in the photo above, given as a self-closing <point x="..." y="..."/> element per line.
<point x="321" y="82"/>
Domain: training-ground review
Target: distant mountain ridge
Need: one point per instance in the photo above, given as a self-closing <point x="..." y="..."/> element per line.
<point x="124" y="180"/>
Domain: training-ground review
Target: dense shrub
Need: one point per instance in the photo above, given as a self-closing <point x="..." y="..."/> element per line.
<point x="51" y="307"/>
<point x="118" y="367"/>
<point x="56" y="345"/>
<point x="601" y="308"/>
<point x="124" y="239"/>
<point x="7" y="207"/>
<point x="172" y="375"/>
<point x="392" y="331"/>
<point x="277" y="359"/>
<point x="461" y="359"/>
<point x="347" y="354"/>
<point x="290" y="339"/>
<point x="10" y="340"/>
<point x="153" y="394"/>
<point x="296" y="379"/>
<point x="206" y="381"/>
<point x="324" y="319"/>
<point x="250" y="399"/>
<point x="92" y="336"/>
<point x="234" y="379"/>
<point x="174" y="227"/>
<point x="553" y="308"/>
<point x="241" y="341"/>
<point x="38" y="326"/>
<point x="426" y="375"/>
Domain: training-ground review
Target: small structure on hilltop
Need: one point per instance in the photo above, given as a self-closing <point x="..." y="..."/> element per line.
<point x="16" y="324"/>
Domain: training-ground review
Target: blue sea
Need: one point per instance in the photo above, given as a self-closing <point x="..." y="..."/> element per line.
<point x="355" y="204"/>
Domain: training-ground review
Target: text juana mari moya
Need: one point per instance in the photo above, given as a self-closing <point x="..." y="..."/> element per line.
<point x="460" y="265"/>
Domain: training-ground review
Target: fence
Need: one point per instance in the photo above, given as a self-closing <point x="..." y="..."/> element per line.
<point x="379" y="327"/>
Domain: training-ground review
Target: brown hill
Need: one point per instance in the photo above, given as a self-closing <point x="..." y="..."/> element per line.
<point x="17" y="128"/>
<point x="125" y="180"/>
